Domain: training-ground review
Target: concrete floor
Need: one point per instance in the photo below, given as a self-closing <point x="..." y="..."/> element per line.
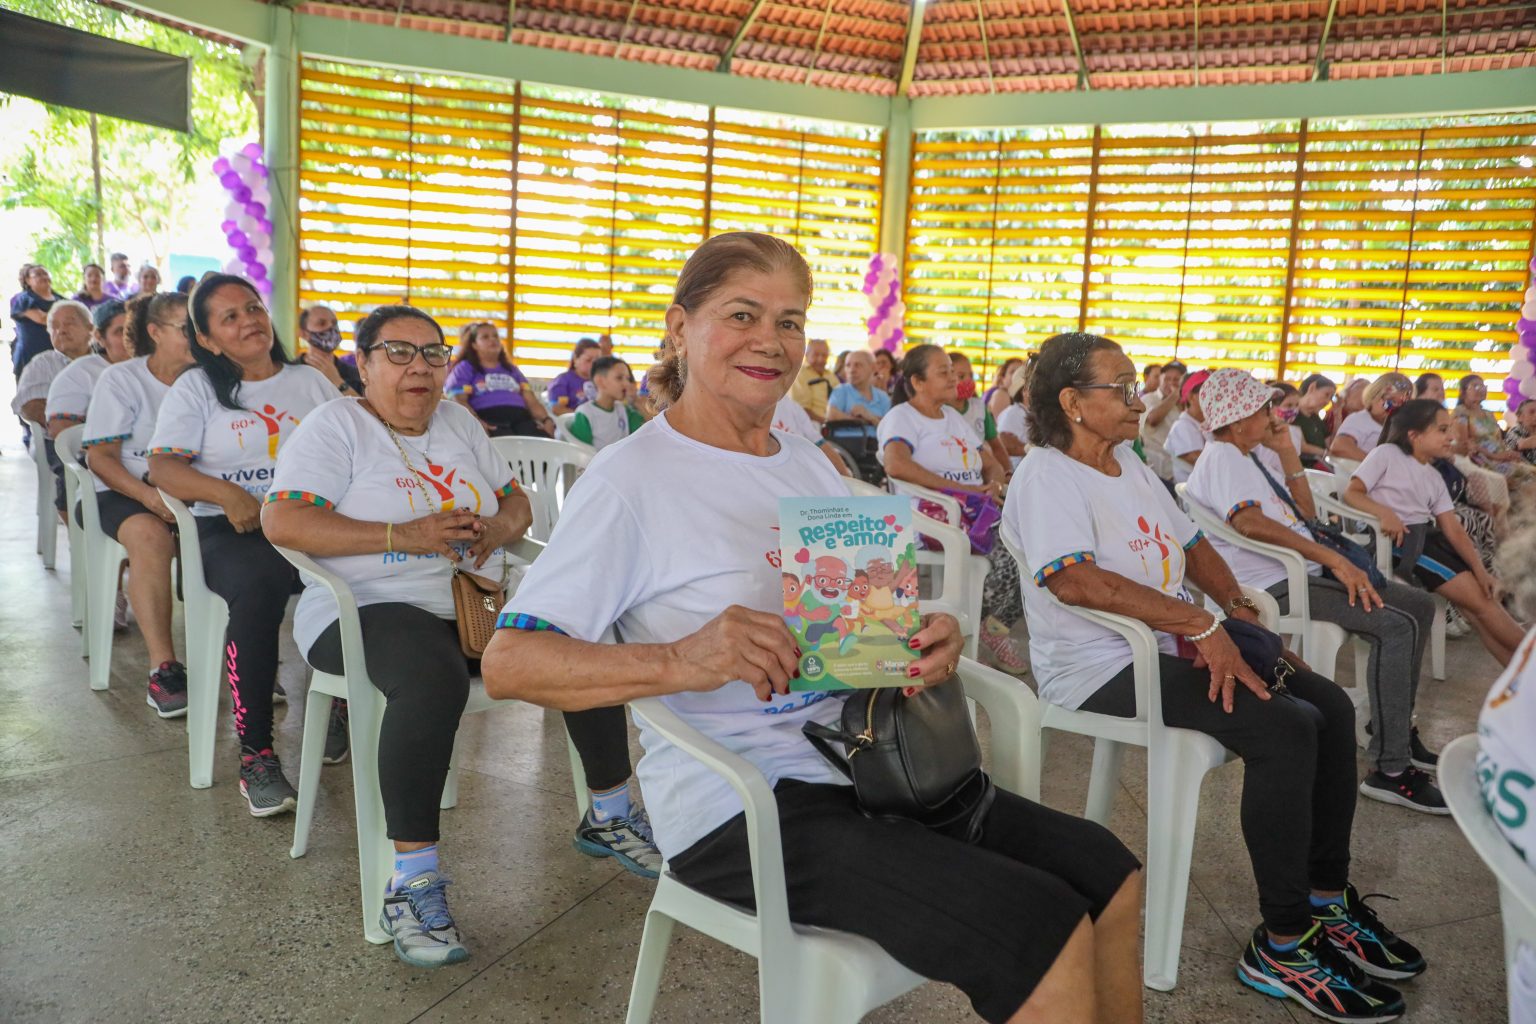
<point x="133" y="897"/>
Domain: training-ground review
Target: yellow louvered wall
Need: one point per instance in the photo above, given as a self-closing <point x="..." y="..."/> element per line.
<point x="408" y="183"/>
<point x="1344" y="247"/>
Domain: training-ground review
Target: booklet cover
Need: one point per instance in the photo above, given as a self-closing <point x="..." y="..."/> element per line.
<point x="850" y="589"/>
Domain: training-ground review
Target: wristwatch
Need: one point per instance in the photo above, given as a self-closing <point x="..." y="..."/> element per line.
<point x="1242" y="601"/>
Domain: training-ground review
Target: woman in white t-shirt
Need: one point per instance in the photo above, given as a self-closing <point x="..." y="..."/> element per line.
<point x="391" y="493"/>
<point x="694" y="496"/>
<point x="1360" y="432"/>
<point x="118" y="429"/>
<point x="1099" y="530"/>
<point x="215" y="447"/>
<point x="1013" y="421"/>
<point x="1233" y="484"/>
<point x="1506" y="765"/>
<point x="69" y="396"/>
<point x="925" y="441"/>
<point x="1397" y="485"/>
<point x="975" y="410"/>
<point x="1187" y="436"/>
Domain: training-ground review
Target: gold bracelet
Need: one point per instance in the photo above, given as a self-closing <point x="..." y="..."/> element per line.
<point x="389" y="537"/>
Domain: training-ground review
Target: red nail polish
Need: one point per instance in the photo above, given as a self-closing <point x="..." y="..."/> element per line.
<point x="914" y="644"/>
<point x="909" y="691"/>
<point x="913" y="672"/>
<point x="797" y="674"/>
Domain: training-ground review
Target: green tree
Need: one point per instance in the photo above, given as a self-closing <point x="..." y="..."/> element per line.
<point x="141" y="167"/>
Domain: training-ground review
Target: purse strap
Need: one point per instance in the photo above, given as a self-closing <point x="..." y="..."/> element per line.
<point x="1284" y="495"/>
<point x="822" y="737"/>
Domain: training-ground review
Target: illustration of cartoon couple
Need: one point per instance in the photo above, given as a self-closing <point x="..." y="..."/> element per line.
<point x="829" y="601"/>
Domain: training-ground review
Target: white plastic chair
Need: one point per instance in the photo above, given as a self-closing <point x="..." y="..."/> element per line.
<point x="1320" y="641"/>
<point x="1327" y="493"/>
<point x="1177" y="760"/>
<point x="207" y="618"/>
<point x="1516" y="878"/>
<point x="563" y="433"/>
<point x="540" y="465"/>
<point x="958" y="574"/>
<point x="103" y="558"/>
<point x="77" y="569"/>
<point x="806" y="974"/>
<point x="976" y="577"/>
<point x="365" y="717"/>
<point x="47" y="516"/>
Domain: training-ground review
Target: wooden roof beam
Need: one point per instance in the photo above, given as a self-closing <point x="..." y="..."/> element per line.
<point x="1077" y="47"/>
<point x="741" y="33"/>
<point x="1322" y="44"/>
<point x="909" y="53"/>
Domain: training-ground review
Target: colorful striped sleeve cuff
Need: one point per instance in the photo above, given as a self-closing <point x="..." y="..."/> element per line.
<point x="510" y="487"/>
<point x="184" y="453"/>
<point x="71" y="417"/>
<point x="1196" y="539"/>
<point x="306" y="496"/>
<point x="909" y="444"/>
<point x="529" y="623"/>
<point x="104" y="440"/>
<point x="1235" y="509"/>
<point x="1064" y="562"/>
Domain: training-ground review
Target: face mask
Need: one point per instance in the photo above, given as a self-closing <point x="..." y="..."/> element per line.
<point x="326" y="340"/>
<point x="1388" y="404"/>
<point x="1286" y="415"/>
<point x="966" y="389"/>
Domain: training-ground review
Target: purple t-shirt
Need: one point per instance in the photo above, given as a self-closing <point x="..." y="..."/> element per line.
<point x="498" y="389"/>
<point x="570" y="386"/>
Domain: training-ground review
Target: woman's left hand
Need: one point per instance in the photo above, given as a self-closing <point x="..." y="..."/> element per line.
<point x="1490" y="584"/>
<point x="940" y="644"/>
<point x="495" y="532"/>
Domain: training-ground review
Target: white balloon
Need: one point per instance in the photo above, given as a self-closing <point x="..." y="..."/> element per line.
<point x="234" y="267"/>
<point x="1529" y="310"/>
<point x="240" y="164"/>
<point x="234" y="211"/>
<point x="257" y="239"/>
<point x="1523" y="372"/>
<point x="245" y="222"/>
<point x="1530" y="294"/>
<point x="264" y="255"/>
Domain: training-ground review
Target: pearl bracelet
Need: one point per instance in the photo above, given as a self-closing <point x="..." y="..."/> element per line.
<point x="1207" y="634"/>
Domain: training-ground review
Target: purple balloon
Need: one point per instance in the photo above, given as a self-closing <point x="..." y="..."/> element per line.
<point x="230" y="180"/>
<point x="237" y="238"/>
<point x="247" y="253"/>
<point x="252" y="150"/>
<point x="228" y="226"/>
<point x="1512" y="387"/>
<point x="259" y="171"/>
<point x="255" y="209"/>
<point x="265" y="226"/>
<point x="257" y="272"/>
<point x="1525" y="326"/>
<point x="221" y="166"/>
<point x="242" y="193"/>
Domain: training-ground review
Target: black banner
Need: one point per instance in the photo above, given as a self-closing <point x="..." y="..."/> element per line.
<point x="71" y="68"/>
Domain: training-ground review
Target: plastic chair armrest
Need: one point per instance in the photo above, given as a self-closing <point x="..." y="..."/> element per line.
<point x="764" y="844"/>
<point x="1014" y="713"/>
<point x="353" y="659"/>
<point x="950" y="505"/>
<point x="955" y="547"/>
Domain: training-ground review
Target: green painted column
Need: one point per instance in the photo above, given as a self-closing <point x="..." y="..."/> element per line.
<point x="895" y="179"/>
<point x="282" y="148"/>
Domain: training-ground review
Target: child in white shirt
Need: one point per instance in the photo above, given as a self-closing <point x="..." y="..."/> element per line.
<point x="1397" y="484"/>
<point x="608" y="417"/>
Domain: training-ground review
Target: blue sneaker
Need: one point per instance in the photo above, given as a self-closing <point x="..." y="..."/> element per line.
<point x="626" y="840"/>
<point x="1318" y="977"/>
<point x="1355" y="930"/>
<point x="416" y="915"/>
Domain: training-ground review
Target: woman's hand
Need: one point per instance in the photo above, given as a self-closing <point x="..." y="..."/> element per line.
<point x="325" y="363"/>
<point x="1392" y="526"/>
<point x="1218" y="653"/>
<point x="1278" y="437"/>
<point x="497" y="532"/>
<point x="435" y="534"/>
<point x="739" y="643"/>
<point x="940" y="645"/>
<point x="150" y="499"/>
<point x="994" y="489"/>
<point x="1355" y="583"/>
<point x="1489" y="582"/>
<point x="242" y="510"/>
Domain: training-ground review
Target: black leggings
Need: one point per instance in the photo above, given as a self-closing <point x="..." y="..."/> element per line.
<point x="510" y="421"/>
<point x="989" y="918"/>
<point x="1298" y="803"/>
<point x="415" y="661"/>
<point x="248" y="573"/>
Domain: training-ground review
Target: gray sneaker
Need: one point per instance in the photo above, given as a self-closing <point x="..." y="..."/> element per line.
<point x="626" y="840"/>
<point x="416" y="915"/>
<point x="262" y="784"/>
<point x="337" y="738"/>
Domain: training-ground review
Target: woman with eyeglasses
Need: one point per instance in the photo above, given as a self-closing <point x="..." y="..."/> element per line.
<point x="1098" y="530"/>
<point x="215" y="446"/>
<point x="390" y="492"/>
<point x="1361" y="430"/>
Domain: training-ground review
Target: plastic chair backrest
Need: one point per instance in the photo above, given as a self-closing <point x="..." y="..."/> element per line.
<point x="951" y="507"/>
<point x="1327" y="493"/>
<point x="1516" y="878"/>
<point x="68" y="448"/>
<point x="563" y="433"/>
<point x="36" y="449"/>
<point x="194" y="584"/>
<point x="1293" y="561"/>
<point x="540" y="461"/>
<point x="67" y="445"/>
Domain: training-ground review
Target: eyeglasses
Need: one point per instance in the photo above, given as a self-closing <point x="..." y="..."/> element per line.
<point x="403" y="353"/>
<point x="1128" y="391"/>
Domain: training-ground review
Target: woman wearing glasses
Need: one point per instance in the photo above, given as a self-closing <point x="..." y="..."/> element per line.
<point x="1361" y="430"/>
<point x="214" y="446"/>
<point x="1098" y="530"/>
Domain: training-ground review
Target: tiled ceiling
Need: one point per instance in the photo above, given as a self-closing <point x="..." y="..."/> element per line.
<point x="979" y="46"/>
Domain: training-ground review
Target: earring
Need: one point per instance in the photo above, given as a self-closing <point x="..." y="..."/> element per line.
<point x="1077" y="419"/>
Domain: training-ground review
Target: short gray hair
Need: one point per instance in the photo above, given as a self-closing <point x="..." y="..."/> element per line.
<point x="69" y="305"/>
